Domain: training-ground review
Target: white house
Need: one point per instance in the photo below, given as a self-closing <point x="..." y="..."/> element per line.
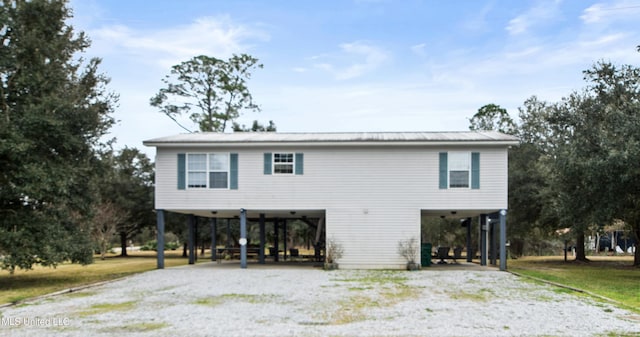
<point x="369" y="190"/>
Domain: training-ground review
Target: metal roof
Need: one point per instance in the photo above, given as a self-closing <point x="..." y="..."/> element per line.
<point x="336" y="138"/>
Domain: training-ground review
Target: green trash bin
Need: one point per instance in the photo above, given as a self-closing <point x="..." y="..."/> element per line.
<point x="425" y="254"/>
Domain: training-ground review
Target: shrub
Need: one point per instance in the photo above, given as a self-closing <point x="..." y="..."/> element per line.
<point x="153" y="245"/>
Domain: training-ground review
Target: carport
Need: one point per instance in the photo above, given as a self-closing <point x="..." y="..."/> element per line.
<point x="492" y="233"/>
<point x="279" y="219"/>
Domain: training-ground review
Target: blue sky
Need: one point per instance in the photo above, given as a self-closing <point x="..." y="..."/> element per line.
<point x="359" y="65"/>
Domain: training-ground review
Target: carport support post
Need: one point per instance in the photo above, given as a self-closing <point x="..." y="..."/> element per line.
<point x="284" y="237"/>
<point x="503" y="240"/>
<point x="262" y="239"/>
<point x="214" y="229"/>
<point x="483" y="239"/>
<point x="195" y="239"/>
<point x="160" y="239"/>
<point x="191" y="224"/>
<point x="492" y="242"/>
<point x="228" y="245"/>
<point x="276" y="223"/>
<point x="469" y="248"/>
<point x="243" y="238"/>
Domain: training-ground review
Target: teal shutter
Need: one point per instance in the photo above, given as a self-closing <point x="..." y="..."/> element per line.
<point x="182" y="171"/>
<point x="233" y="174"/>
<point x="475" y="170"/>
<point x="443" y="170"/>
<point x="267" y="163"/>
<point x="299" y="163"/>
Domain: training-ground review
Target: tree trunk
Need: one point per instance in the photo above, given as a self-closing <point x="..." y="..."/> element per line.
<point x="184" y="250"/>
<point x="580" y="253"/>
<point x="103" y="249"/>
<point x="636" y="255"/>
<point x="123" y="244"/>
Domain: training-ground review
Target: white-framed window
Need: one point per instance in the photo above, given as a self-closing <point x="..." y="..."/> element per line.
<point x="459" y="169"/>
<point x="283" y="163"/>
<point x="196" y="170"/>
<point x="218" y="170"/>
<point x="208" y="170"/>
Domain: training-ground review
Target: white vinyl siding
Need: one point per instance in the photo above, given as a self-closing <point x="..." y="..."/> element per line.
<point x="365" y="176"/>
<point x="373" y="196"/>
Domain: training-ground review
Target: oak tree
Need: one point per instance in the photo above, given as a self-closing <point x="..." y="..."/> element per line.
<point x="54" y="108"/>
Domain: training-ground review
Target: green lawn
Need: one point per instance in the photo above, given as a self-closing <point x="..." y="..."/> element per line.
<point x="611" y="277"/>
<point x="44" y="280"/>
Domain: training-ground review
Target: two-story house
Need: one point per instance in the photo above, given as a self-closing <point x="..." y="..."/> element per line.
<point x="368" y="190"/>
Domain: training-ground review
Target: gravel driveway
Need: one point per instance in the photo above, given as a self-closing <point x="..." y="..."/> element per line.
<point x="220" y="300"/>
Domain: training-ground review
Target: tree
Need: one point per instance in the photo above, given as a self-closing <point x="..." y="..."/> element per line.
<point x="255" y="127"/>
<point x="531" y="214"/>
<point x="492" y="117"/>
<point x="614" y="105"/>
<point x="54" y="109"/>
<point x="596" y="160"/>
<point x="127" y="184"/>
<point x="532" y="194"/>
<point x="106" y="217"/>
<point x="213" y="92"/>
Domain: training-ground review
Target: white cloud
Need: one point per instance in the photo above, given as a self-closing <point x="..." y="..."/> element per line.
<point x="216" y="36"/>
<point x="602" y="13"/>
<point x="418" y="49"/>
<point x="543" y="12"/>
<point x="354" y="60"/>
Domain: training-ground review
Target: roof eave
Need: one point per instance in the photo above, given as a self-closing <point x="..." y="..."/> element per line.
<point x="199" y="144"/>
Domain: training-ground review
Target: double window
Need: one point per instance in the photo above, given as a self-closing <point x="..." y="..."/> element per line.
<point x="208" y="170"/>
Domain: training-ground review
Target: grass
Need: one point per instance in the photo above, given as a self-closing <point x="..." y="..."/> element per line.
<point x="481" y="296"/>
<point x="23" y="285"/>
<point x="106" y="307"/>
<point x="213" y="301"/>
<point x="386" y="288"/>
<point x="137" y="327"/>
<point x="610" y="277"/>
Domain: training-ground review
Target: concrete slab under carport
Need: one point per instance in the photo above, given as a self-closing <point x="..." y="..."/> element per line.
<point x="302" y="265"/>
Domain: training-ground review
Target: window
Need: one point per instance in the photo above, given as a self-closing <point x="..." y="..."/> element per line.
<point x="218" y="170"/>
<point x="283" y="163"/>
<point x="459" y="169"/>
<point x="208" y="170"/>
<point x="197" y="170"/>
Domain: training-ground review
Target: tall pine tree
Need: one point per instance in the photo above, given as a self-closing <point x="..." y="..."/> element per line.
<point x="53" y="110"/>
